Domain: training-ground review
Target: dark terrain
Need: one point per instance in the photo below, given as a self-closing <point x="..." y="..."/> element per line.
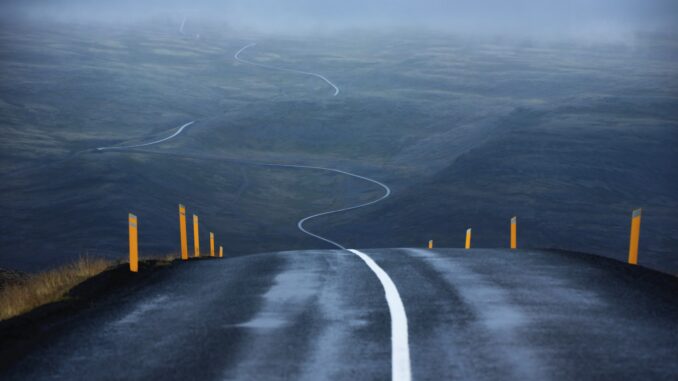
<point x="570" y="138"/>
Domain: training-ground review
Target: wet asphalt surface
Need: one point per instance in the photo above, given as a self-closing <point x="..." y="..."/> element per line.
<point x="321" y="315"/>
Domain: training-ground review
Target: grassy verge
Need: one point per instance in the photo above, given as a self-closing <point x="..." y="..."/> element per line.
<point x="36" y="308"/>
<point x="24" y="294"/>
<point x="35" y="290"/>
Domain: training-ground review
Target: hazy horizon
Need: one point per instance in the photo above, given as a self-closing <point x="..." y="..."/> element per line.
<point x="599" y="21"/>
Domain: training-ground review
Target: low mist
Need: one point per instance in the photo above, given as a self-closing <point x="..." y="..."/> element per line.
<point x="601" y="20"/>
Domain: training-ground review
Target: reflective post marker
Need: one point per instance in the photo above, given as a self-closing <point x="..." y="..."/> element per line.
<point x="468" y="238"/>
<point x="211" y="244"/>
<point x="430" y="244"/>
<point x="514" y="238"/>
<point x="221" y="251"/>
<point x="182" y="232"/>
<point x="635" y="237"/>
<point x="133" y="244"/>
<point x="196" y="237"/>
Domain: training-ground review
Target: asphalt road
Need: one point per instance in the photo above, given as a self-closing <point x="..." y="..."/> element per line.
<point x="175" y="134"/>
<point x="322" y="315"/>
<point x="237" y="57"/>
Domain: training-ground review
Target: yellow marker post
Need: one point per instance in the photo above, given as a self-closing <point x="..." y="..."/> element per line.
<point x="468" y="238"/>
<point x="635" y="236"/>
<point x="182" y="232"/>
<point x="430" y="244"/>
<point x="133" y="244"/>
<point x="514" y="234"/>
<point x="221" y="251"/>
<point x="211" y="244"/>
<point x="196" y="237"/>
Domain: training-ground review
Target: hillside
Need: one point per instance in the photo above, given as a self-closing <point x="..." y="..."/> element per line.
<point x="465" y="132"/>
<point x="571" y="174"/>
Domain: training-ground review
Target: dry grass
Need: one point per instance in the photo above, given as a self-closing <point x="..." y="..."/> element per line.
<point x="170" y="257"/>
<point x="46" y="287"/>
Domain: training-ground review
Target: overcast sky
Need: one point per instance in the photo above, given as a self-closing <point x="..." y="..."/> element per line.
<point x="605" y="19"/>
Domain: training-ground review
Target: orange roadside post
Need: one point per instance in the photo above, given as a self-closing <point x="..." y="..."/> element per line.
<point x="133" y="243"/>
<point x="211" y="244"/>
<point x="221" y="251"/>
<point x="182" y="232"/>
<point x="196" y="237"/>
<point x="430" y="244"/>
<point x="635" y="236"/>
<point x="514" y="228"/>
<point x="468" y="238"/>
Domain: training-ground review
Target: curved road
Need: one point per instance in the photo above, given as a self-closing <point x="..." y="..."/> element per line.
<point x="179" y="131"/>
<point x="300" y="224"/>
<point x="181" y="27"/>
<point x="237" y="58"/>
<point x="321" y="315"/>
<point x="400" y="361"/>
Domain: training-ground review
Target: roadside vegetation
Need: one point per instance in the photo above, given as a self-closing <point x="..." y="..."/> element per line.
<point x="21" y="293"/>
<point x="31" y="291"/>
<point x="38" y="289"/>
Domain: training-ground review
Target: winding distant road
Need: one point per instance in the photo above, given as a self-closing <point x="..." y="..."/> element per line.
<point x="272" y="67"/>
<point x="175" y="134"/>
<point x="400" y="361"/>
<point x="181" y="27"/>
<point x="300" y="224"/>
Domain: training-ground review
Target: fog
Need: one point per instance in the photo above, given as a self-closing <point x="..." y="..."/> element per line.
<point x="616" y="20"/>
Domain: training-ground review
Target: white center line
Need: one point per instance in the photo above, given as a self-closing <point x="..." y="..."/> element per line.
<point x="400" y="347"/>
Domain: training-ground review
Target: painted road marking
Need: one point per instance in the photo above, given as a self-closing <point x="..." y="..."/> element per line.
<point x="400" y="347"/>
